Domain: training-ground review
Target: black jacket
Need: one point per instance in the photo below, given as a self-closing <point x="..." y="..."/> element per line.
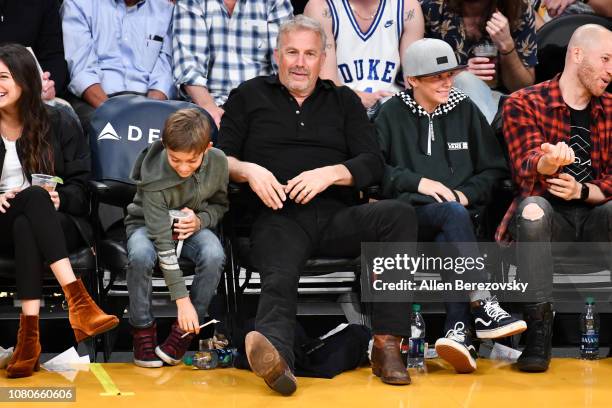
<point x="454" y="145"/>
<point x="72" y="163"/>
<point x="37" y="24"/>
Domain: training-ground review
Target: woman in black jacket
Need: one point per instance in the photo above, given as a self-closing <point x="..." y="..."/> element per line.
<point x="41" y="226"/>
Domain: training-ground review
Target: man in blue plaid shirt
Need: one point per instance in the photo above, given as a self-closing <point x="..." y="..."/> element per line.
<point x="218" y="44"/>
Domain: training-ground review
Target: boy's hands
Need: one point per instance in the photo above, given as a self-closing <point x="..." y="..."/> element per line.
<point x="436" y="190"/>
<point x="187" y="316"/>
<point x="186" y="227"/>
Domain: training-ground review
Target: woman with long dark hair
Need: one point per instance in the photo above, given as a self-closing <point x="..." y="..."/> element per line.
<point x="41" y="226"/>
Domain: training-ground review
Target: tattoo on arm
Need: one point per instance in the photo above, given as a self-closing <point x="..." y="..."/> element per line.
<point x="326" y="13"/>
<point x="409" y="15"/>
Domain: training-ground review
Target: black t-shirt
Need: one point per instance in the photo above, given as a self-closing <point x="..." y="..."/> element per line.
<point x="264" y="124"/>
<point x="580" y="142"/>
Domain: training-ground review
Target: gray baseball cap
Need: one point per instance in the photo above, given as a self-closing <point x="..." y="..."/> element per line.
<point x="429" y="56"/>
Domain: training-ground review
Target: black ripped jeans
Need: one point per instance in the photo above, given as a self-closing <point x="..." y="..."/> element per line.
<point x="561" y="222"/>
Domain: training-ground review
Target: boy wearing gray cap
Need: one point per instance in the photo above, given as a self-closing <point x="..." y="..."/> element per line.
<point x="442" y="157"/>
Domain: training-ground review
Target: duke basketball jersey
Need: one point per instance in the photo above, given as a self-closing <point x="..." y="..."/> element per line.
<point x="368" y="61"/>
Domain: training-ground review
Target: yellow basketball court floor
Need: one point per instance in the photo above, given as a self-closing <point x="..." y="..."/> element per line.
<point x="568" y="383"/>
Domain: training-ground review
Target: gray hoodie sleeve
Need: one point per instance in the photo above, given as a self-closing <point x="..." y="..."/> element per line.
<point x="218" y="203"/>
<point x="158" y="226"/>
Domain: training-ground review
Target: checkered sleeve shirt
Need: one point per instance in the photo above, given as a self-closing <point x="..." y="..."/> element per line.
<point x="537" y="115"/>
<point x="219" y="52"/>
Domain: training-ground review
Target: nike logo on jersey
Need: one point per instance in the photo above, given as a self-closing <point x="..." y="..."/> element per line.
<point x="389" y="23"/>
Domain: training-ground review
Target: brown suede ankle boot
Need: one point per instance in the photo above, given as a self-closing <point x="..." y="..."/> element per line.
<point x="387" y="360"/>
<point x="26" y="356"/>
<point x="86" y="318"/>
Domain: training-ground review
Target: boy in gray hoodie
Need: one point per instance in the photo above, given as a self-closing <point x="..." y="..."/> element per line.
<point x="181" y="172"/>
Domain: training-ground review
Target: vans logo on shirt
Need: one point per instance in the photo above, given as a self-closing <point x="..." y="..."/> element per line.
<point x="108" y="133"/>
<point x="458" y="146"/>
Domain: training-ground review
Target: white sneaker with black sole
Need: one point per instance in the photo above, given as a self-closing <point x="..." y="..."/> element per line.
<point x="456" y="349"/>
<point x="493" y="322"/>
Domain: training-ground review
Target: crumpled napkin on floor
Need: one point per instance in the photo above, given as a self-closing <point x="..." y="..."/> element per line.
<point x="65" y="361"/>
<point x="68" y="364"/>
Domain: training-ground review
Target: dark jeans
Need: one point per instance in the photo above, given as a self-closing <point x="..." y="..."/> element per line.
<point x="451" y="222"/>
<point x="33" y="229"/>
<point x="282" y="241"/>
<point x="561" y="222"/>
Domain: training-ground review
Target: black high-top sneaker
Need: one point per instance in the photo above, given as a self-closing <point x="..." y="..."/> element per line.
<point x="493" y="322"/>
<point x="456" y="348"/>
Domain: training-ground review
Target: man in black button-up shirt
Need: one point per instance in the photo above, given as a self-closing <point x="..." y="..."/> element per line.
<point x="305" y="146"/>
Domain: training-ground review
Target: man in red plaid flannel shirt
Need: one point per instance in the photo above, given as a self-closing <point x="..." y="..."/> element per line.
<point x="559" y="136"/>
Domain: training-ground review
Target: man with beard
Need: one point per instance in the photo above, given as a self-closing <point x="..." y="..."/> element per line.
<point x="559" y="136"/>
<point x="304" y="146"/>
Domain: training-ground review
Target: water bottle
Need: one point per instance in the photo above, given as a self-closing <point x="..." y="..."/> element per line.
<point x="416" y="343"/>
<point x="205" y="360"/>
<point x="589" y="327"/>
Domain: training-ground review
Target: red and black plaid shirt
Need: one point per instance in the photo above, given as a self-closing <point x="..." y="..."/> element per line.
<point x="537" y="115"/>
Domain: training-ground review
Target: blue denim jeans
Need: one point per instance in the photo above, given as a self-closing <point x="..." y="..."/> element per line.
<point x="451" y="222"/>
<point x="203" y="248"/>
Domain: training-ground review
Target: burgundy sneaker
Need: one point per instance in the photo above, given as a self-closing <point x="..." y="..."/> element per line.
<point x="144" y="341"/>
<point x="175" y="346"/>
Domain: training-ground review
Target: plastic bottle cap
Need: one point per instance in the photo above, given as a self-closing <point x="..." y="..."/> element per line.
<point x="590" y="300"/>
<point x="188" y="360"/>
<point x="416" y="307"/>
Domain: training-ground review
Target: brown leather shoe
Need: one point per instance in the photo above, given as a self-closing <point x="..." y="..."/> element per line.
<point x="26" y="356"/>
<point x="86" y="318"/>
<point x="387" y="360"/>
<point x="266" y="362"/>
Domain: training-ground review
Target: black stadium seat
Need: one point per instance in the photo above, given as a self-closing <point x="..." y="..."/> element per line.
<point x="83" y="263"/>
<point x="119" y="130"/>
<point x="327" y="286"/>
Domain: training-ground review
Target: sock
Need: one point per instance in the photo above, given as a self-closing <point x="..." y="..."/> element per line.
<point x="479" y="295"/>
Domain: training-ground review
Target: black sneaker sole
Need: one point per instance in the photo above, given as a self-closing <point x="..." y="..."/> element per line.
<point x="456" y="355"/>
<point x="266" y="362"/>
